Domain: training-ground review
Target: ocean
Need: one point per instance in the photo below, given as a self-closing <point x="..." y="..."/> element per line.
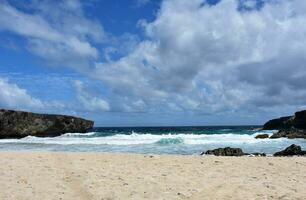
<point x="155" y="140"/>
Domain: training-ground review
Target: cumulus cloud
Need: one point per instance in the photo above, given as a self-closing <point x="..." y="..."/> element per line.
<point x="249" y="4"/>
<point x="88" y="100"/>
<point x="57" y="31"/>
<point x="215" y="58"/>
<point x="13" y="96"/>
<point x="196" y="57"/>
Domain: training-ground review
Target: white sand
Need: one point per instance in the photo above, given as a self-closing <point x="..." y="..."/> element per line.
<point x="72" y="176"/>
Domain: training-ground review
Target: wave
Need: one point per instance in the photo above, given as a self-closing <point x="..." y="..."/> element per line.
<point x="166" y="141"/>
<point x="78" y="134"/>
<point x="142" y="139"/>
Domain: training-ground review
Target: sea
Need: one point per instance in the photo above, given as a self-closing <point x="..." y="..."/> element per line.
<point x="155" y="140"/>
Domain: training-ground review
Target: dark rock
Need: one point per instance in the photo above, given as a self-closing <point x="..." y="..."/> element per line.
<point x="262" y="136"/>
<point x="300" y="120"/>
<point x="289" y="133"/>
<point x="297" y="121"/>
<point x="227" y="151"/>
<point x="291" y="151"/>
<point x="18" y="124"/>
<point x="278" y="134"/>
<point x="290" y="127"/>
<point x="280" y="123"/>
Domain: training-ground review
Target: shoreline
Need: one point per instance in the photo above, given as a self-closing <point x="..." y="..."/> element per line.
<point x="100" y="175"/>
<point x="136" y="154"/>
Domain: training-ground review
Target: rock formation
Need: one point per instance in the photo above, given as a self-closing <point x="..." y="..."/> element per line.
<point x="297" y="121"/>
<point x="290" y="127"/>
<point x="262" y="136"/>
<point x="227" y="151"/>
<point x="279" y="123"/>
<point x="289" y="133"/>
<point x="18" y="124"/>
<point x="291" y="151"/>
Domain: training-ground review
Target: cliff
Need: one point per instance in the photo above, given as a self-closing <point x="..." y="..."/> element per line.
<point x="290" y="127"/>
<point x="298" y="121"/>
<point x="18" y="124"/>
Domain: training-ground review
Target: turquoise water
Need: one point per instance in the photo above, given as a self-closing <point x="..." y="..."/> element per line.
<point x="155" y="140"/>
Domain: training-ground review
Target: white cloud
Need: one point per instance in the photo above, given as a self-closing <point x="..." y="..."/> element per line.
<point x="90" y="101"/>
<point x="13" y="96"/>
<point x="56" y="31"/>
<point x="195" y="57"/>
<point x="204" y="58"/>
<point x="249" y="4"/>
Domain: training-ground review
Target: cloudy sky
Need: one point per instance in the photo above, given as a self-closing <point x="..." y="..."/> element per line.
<point x="154" y="62"/>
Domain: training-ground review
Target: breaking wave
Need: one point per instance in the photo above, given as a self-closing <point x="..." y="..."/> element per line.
<point x="139" y="139"/>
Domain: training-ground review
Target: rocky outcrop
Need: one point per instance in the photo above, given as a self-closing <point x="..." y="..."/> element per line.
<point x="291" y="151"/>
<point x="290" y="127"/>
<point x="280" y="123"/>
<point x="289" y="133"/>
<point x="18" y="124"/>
<point x="227" y="151"/>
<point x="298" y="121"/>
<point x="262" y="136"/>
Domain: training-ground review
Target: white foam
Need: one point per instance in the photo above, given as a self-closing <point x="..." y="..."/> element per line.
<point x="78" y="134"/>
<point x="138" y="139"/>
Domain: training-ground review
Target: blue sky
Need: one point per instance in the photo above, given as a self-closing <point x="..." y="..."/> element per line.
<point x="151" y="62"/>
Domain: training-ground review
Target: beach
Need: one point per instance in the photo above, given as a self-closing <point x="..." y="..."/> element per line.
<point x="69" y="176"/>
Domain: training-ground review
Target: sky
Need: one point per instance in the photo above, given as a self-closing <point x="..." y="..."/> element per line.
<point x="154" y="62"/>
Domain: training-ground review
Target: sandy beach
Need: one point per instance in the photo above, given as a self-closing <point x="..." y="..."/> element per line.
<point x="97" y="176"/>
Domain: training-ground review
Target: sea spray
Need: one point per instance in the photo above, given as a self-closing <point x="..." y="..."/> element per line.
<point x="159" y="140"/>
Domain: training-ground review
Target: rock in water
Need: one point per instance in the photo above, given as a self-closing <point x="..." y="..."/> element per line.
<point x="289" y="133"/>
<point x="18" y="124"/>
<point x="227" y="151"/>
<point x="262" y="136"/>
<point x="291" y="151"/>
<point x="290" y="127"/>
